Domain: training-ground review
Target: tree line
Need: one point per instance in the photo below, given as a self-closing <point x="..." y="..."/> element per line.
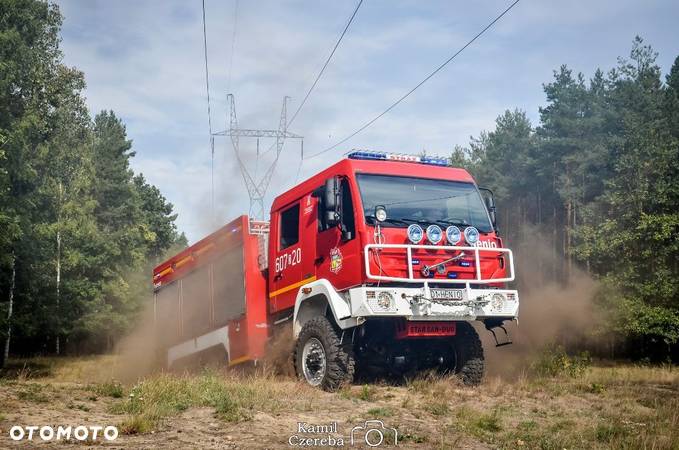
<point x="597" y="179"/>
<point x="79" y="231"/>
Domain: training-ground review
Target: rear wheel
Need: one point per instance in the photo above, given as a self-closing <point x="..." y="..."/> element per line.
<point x="469" y="360"/>
<point x="321" y="359"/>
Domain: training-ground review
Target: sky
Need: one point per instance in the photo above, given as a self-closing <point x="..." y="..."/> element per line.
<point x="145" y="61"/>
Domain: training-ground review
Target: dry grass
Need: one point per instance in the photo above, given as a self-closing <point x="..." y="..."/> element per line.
<point x="555" y="404"/>
<point x="234" y="398"/>
<point x="83" y="369"/>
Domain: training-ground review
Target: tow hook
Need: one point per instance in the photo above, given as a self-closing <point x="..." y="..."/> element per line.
<point x="491" y="326"/>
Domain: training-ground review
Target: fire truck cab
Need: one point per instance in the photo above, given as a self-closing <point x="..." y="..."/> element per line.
<point x="383" y="260"/>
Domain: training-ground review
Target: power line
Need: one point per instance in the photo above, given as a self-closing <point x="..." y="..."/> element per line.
<point x="233" y="46"/>
<point x="318" y="77"/>
<point x="327" y="61"/>
<point x="407" y="94"/>
<point x="209" y="116"/>
<point x="207" y="73"/>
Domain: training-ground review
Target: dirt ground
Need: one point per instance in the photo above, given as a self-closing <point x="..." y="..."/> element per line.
<point x="561" y="403"/>
<point x="48" y="402"/>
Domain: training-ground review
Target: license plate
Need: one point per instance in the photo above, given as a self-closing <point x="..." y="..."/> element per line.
<point x="425" y="329"/>
<point x="446" y="294"/>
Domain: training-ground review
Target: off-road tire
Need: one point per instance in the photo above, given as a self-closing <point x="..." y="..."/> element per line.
<point x="340" y="362"/>
<point x="470" y="363"/>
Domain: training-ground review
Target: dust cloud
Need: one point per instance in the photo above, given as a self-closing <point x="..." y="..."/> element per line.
<point x="279" y="352"/>
<point x="550" y="312"/>
<point x="137" y="355"/>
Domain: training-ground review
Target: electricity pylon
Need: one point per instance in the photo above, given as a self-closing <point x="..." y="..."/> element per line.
<point x="257" y="187"/>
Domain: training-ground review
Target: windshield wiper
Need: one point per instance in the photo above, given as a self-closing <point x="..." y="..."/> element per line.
<point x="413" y="220"/>
<point x="388" y="219"/>
<point x="453" y="221"/>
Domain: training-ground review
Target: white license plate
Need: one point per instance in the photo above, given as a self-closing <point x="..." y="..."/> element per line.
<point x="446" y="294"/>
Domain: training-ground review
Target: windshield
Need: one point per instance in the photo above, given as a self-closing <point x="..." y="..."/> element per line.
<point x="420" y="200"/>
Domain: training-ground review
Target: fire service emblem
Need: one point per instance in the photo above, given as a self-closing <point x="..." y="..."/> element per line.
<point x="335" y="260"/>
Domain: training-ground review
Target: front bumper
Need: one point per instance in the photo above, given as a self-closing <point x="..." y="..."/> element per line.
<point x="416" y="303"/>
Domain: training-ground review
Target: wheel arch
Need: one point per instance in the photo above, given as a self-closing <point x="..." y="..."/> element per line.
<point x="319" y="298"/>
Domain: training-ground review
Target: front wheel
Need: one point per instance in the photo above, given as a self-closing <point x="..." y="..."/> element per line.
<point x="321" y="359"/>
<point x="469" y="362"/>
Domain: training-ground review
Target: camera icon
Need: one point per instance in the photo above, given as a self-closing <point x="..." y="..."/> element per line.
<point x="372" y="433"/>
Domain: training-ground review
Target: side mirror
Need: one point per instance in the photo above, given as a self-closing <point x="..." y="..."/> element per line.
<point x="332" y="201"/>
<point x="489" y="199"/>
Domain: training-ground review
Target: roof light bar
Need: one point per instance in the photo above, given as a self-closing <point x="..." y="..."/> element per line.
<point x="384" y="156"/>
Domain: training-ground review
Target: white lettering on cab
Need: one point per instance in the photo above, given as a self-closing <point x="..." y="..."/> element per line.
<point x="288" y="259"/>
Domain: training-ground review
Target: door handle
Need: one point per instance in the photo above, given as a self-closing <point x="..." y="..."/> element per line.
<point x="278" y="276"/>
<point x="319" y="260"/>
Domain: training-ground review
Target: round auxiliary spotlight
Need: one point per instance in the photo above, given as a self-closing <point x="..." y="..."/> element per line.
<point x="453" y="234"/>
<point x="415" y="233"/>
<point x="471" y="235"/>
<point x="434" y="234"/>
<point x="380" y="213"/>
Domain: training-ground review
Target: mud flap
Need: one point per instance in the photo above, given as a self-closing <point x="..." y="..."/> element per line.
<point x="492" y="326"/>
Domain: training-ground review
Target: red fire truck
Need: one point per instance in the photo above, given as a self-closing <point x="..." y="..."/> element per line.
<point x="381" y="262"/>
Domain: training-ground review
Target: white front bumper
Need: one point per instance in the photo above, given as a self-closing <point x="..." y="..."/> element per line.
<point x="415" y="303"/>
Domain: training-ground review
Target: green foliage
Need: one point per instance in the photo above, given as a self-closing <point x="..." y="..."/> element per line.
<point x="607" y="432"/>
<point x="598" y="178"/>
<point x="33" y="392"/>
<point x="81" y="229"/>
<point x="109" y="389"/>
<point x="554" y="361"/>
<point x="380" y="412"/>
<point x="367" y="393"/>
<point x="438" y="408"/>
<point x="489" y="422"/>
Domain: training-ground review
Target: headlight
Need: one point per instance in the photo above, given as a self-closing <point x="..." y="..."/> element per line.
<point x="380" y="213"/>
<point x="497" y="302"/>
<point x="415" y="233"/>
<point x="453" y="234"/>
<point x="383" y="302"/>
<point x="434" y="234"/>
<point x="471" y="235"/>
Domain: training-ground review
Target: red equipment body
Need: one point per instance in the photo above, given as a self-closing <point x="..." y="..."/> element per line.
<point x="212" y="294"/>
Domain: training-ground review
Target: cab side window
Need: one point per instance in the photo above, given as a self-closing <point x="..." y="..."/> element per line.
<point x="289" y="229"/>
<point x="320" y="209"/>
<point x="348" y="222"/>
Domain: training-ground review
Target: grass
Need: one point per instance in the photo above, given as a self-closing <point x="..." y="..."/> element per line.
<point x="438" y="408"/>
<point x="87" y="369"/>
<point x="367" y="393"/>
<point x="559" y="402"/>
<point x="235" y="399"/>
<point x="478" y="423"/>
<point x="554" y="361"/>
<point x="603" y="407"/>
<point x="381" y="412"/>
<point x="112" y="389"/>
<point x="33" y="392"/>
<point x="489" y="423"/>
<point x="607" y="432"/>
